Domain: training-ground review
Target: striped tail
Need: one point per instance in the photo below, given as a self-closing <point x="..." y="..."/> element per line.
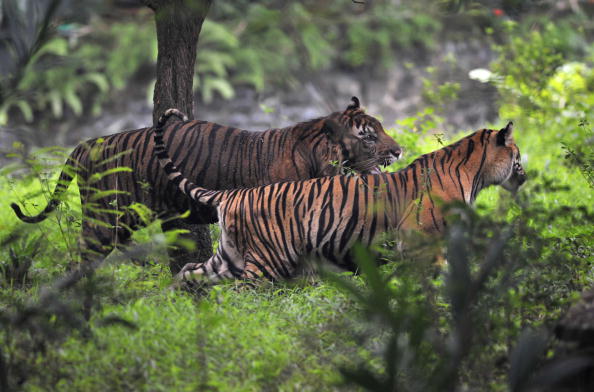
<point x="193" y="191"/>
<point x="64" y="181"/>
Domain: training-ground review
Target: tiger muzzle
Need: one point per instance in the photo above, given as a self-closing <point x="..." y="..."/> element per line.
<point x="391" y="156"/>
<point x="520" y="173"/>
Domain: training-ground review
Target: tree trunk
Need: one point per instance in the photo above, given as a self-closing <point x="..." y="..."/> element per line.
<point x="178" y="26"/>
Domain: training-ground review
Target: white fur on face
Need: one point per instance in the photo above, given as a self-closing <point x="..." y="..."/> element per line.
<point x="516" y="177"/>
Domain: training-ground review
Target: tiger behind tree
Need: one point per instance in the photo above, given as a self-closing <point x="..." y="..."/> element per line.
<point x="213" y="155"/>
<point x="267" y="231"/>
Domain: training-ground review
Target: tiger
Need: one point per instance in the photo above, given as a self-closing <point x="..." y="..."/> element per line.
<point x="214" y="156"/>
<point x="267" y="231"/>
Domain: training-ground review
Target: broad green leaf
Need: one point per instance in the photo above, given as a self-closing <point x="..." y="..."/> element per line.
<point x="73" y="100"/>
<point x="98" y="80"/>
<point x="221" y="86"/>
<point x="25" y="109"/>
<point x="56" y="103"/>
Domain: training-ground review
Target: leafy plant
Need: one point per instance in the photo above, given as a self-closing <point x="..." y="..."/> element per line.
<point x="21" y="255"/>
<point x="553" y="84"/>
<point x="63" y="76"/>
<point x="580" y="153"/>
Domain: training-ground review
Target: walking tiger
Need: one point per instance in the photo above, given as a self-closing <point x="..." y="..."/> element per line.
<point x="214" y="156"/>
<point x="267" y="231"/>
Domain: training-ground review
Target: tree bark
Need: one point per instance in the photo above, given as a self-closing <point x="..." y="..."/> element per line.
<point x="178" y="26"/>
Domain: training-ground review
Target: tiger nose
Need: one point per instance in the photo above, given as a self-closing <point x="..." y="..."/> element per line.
<point x="397" y="152"/>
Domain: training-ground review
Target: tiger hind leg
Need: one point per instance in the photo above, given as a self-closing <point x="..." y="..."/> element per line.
<point x="213" y="270"/>
<point x="97" y="242"/>
<point x="261" y="268"/>
<point x="179" y="256"/>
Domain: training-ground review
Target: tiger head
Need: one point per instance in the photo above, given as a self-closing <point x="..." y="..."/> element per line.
<point x="362" y="143"/>
<point x="503" y="166"/>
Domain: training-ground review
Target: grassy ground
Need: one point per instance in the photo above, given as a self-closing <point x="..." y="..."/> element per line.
<point x="287" y="336"/>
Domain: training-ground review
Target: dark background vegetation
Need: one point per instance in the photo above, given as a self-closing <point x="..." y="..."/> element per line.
<point x="494" y="318"/>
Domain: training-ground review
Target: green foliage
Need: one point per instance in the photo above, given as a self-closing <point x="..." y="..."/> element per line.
<point x="78" y="76"/>
<point x="248" y="43"/>
<point x="513" y="266"/>
<point x="439" y="96"/>
<point x="382" y="31"/>
<point x="21" y="253"/>
<point x="194" y="340"/>
<point x="417" y="135"/>
<point x="216" y="60"/>
<point x="59" y="237"/>
<point x="553" y="84"/>
<point x="579" y="152"/>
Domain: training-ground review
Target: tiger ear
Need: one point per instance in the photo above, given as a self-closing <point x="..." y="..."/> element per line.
<point x="355" y="105"/>
<point x="504" y="136"/>
<point x="334" y="130"/>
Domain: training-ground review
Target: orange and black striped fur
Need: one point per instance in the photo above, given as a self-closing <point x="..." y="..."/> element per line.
<point x="267" y="231"/>
<point x="214" y="156"/>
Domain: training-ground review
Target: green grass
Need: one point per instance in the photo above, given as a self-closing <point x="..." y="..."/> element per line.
<point x="278" y="338"/>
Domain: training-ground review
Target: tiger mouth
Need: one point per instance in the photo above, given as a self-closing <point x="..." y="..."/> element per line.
<point x="385" y="162"/>
<point x="378" y="168"/>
